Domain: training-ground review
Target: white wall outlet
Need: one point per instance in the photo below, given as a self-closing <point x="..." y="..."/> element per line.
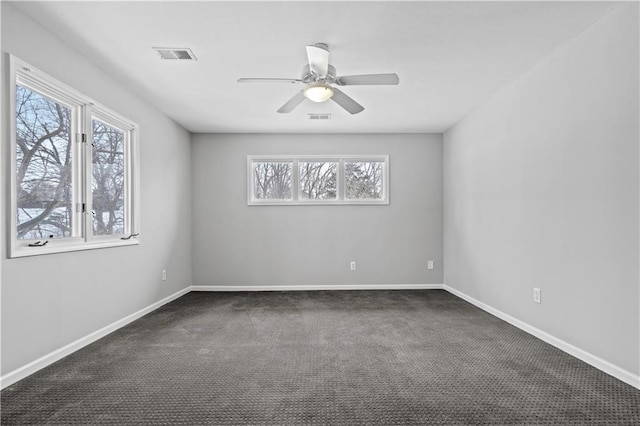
<point x="430" y="264"/>
<point x="352" y="265"/>
<point x="164" y="275"/>
<point x="536" y="295"/>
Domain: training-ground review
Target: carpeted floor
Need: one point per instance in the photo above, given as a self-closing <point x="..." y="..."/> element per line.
<point x="311" y="358"/>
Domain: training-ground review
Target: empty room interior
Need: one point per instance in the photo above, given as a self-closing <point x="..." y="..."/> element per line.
<point x="305" y="212"/>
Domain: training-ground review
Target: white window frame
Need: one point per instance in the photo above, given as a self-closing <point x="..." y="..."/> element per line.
<point x="296" y="198"/>
<point x="84" y="109"/>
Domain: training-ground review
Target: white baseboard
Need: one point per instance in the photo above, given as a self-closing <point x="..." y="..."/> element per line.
<point x="318" y="287"/>
<point x="599" y="363"/>
<point x="30" y="368"/>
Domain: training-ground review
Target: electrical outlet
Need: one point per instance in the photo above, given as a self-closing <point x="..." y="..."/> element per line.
<point x="430" y="264"/>
<point x="164" y="275"/>
<point x="536" y="295"/>
<point x="353" y="265"/>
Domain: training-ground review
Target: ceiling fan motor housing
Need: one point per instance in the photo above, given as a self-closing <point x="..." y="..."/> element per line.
<point x="309" y="77"/>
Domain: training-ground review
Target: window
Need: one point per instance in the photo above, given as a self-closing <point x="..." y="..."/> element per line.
<point x="73" y="164"/>
<point x="43" y="166"/>
<point x="272" y="180"/>
<point x="107" y="179"/>
<point x="295" y="180"/>
<point x="318" y="180"/>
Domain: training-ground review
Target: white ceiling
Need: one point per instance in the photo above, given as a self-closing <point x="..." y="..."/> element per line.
<point x="450" y="56"/>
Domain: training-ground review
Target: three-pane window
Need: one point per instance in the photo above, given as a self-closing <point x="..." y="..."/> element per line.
<point x="317" y="179"/>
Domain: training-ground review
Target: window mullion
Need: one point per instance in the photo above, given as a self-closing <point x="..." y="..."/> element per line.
<point x="340" y="180"/>
<point x="295" y="181"/>
<point x="86" y="165"/>
<point x="76" y="172"/>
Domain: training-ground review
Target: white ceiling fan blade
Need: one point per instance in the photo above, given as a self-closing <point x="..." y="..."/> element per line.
<point x="268" y="80"/>
<point x="292" y="103"/>
<point x="318" y="56"/>
<point x="346" y="102"/>
<point x="368" y="79"/>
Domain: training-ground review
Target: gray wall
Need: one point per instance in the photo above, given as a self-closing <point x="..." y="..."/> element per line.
<point x="49" y="301"/>
<point x="541" y="190"/>
<point x="239" y="245"/>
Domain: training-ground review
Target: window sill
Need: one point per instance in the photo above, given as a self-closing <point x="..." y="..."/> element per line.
<point x="316" y="202"/>
<point x="23" y="250"/>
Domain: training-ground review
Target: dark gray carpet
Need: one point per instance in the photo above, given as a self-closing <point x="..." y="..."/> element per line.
<point x="307" y="358"/>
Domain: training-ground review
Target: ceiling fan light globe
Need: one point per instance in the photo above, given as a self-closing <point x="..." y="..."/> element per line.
<point x="318" y="92"/>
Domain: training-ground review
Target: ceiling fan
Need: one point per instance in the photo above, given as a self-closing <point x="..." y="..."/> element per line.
<point x="320" y="79"/>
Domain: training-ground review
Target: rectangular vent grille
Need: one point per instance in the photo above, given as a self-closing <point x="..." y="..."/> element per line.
<point x="320" y="116"/>
<point x="175" y="53"/>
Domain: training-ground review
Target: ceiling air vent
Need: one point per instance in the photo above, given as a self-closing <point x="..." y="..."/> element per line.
<point x="175" y="53"/>
<point x="326" y="116"/>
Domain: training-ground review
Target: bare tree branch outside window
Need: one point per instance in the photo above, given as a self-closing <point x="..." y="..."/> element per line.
<point x="272" y="180"/>
<point x="108" y="179"/>
<point x="318" y="180"/>
<point x="363" y="180"/>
